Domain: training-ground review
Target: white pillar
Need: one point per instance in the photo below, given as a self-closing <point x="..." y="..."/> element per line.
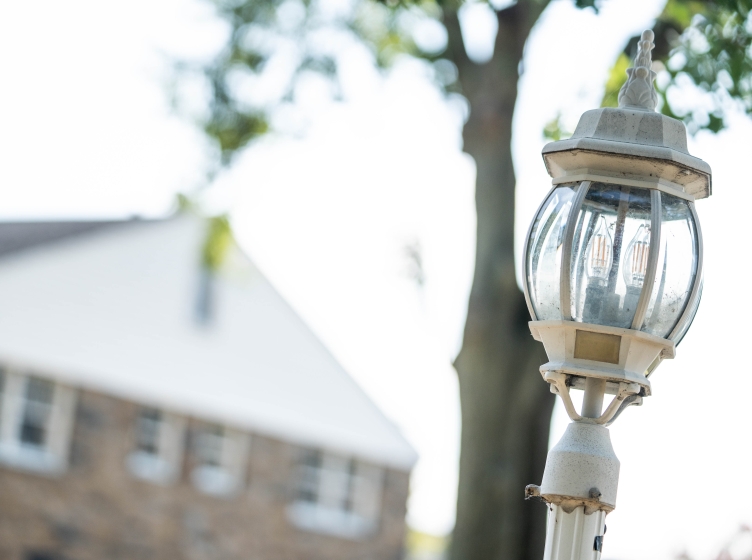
<point x="574" y="536"/>
<point x="581" y="476"/>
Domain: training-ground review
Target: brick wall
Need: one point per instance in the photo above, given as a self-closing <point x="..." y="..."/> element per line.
<point x="97" y="510"/>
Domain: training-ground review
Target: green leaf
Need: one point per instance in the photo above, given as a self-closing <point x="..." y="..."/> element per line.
<point x="553" y="130"/>
<point x="219" y="240"/>
<point x="617" y="77"/>
<point x="184" y="203"/>
<point x="715" y="123"/>
<point x="233" y="129"/>
<point x="712" y="40"/>
<point x="595" y="4"/>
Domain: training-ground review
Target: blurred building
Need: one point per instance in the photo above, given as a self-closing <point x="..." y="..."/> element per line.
<point x="149" y="409"/>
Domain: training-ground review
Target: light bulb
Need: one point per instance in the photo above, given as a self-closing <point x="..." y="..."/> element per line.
<point x="599" y="252"/>
<point x="636" y="261"/>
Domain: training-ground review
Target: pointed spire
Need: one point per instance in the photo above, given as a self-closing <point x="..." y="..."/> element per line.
<point x="638" y="92"/>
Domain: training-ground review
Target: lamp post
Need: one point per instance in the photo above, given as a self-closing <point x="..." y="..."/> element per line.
<point x="613" y="278"/>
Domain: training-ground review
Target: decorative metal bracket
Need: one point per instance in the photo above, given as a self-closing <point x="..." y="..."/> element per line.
<point x="628" y="394"/>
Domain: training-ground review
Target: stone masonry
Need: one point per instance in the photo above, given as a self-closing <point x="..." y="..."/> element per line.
<point x="97" y="510"/>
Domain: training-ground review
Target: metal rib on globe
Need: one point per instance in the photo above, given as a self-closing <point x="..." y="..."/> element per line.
<point x="613" y="279"/>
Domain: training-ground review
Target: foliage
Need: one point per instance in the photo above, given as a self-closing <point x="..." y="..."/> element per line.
<point x="553" y="130"/>
<point x="219" y="240"/>
<point x="184" y="203"/>
<point x="714" y="53"/>
<point x="218" y="237"/>
<point x="312" y="35"/>
<point x="616" y="78"/>
<point x="705" y="46"/>
<point x="587" y="4"/>
<point x="700" y="46"/>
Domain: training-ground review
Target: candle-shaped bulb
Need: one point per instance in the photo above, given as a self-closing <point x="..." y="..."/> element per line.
<point x="636" y="260"/>
<point x="599" y="252"/>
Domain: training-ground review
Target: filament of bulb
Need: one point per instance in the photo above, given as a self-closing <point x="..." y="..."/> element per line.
<point x="637" y="257"/>
<point x="599" y="254"/>
<point x="639" y="264"/>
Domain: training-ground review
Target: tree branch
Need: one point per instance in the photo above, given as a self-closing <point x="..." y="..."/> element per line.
<point x="521" y="17"/>
<point x="455" y="45"/>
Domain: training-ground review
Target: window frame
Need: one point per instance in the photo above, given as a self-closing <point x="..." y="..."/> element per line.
<point x="51" y="457"/>
<point x="225" y="474"/>
<point x="163" y="466"/>
<point x="348" y="495"/>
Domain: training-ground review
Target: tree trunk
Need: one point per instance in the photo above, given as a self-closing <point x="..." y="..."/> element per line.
<point x="506" y="406"/>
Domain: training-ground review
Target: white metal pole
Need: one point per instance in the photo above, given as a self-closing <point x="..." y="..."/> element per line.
<point x="579" y="484"/>
<point x="575" y="535"/>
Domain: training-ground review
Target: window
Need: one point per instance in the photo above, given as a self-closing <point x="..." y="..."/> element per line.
<point x="336" y="495"/>
<point x="158" y="445"/>
<point x="210" y="442"/>
<point x="37" y="409"/>
<point x="308" y="476"/>
<point x="36" y="420"/>
<point x="220" y="455"/>
<point x="147" y="431"/>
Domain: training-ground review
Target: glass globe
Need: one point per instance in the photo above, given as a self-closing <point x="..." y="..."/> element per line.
<point x="591" y="258"/>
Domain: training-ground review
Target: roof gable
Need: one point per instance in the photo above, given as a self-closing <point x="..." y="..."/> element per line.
<point x="18" y="236"/>
<point x="115" y="311"/>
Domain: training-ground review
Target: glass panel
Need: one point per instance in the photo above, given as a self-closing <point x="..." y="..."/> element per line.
<point x="366" y="487"/>
<point x="609" y="254"/>
<point x="544" y="253"/>
<point x="334" y="482"/>
<point x="695" y="306"/>
<point x="210" y="443"/>
<point x="677" y="266"/>
<point x="147" y="431"/>
<point x="36" y="411"/>
<point x="308" y="476"/>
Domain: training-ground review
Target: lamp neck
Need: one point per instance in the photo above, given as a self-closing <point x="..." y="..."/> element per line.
<point x="592" y="401"/>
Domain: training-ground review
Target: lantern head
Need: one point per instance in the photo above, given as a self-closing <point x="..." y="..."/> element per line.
<point x="613" y="258"/>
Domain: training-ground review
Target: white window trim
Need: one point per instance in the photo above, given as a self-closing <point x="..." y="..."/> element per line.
<point x="163" y="467"/>
<point x="52" y="459"/>
<point x="327" y="515"/>
<point x="227" y="478"/>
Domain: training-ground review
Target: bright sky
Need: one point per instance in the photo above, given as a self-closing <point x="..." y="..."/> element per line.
<point x="326" y="211"/>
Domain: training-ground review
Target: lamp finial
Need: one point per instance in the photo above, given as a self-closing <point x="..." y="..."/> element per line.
<point x="638" y="91"/>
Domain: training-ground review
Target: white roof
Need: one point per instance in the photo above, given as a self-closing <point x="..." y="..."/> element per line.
<point x="113" y="310"/>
